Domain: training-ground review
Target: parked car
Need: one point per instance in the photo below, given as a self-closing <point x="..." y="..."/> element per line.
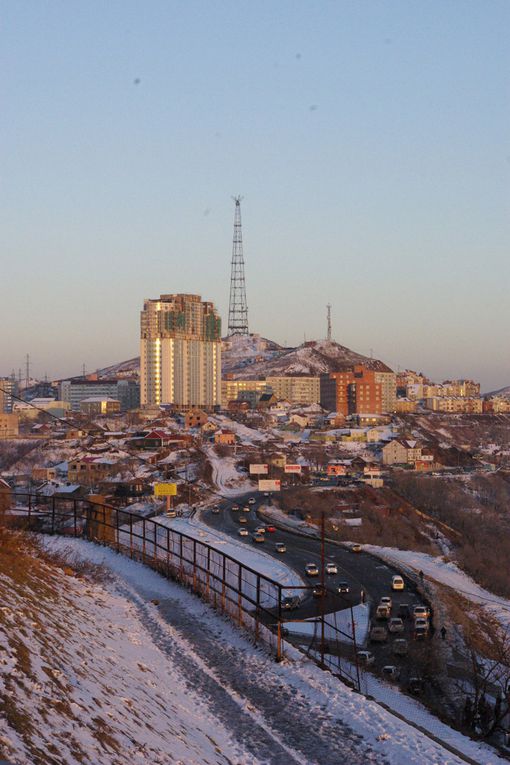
<point x="311" y="569"/>
<point x="356" y="548"/>
<point x="396" y="624"/>
<point x="331" y="568"/>
<point x="391" y="671"/>
<point x="378" y="635"/>
<point x="404" y="611"/>
<point x="421" y="612"/>
<point x="319" y="591"/>
<point x="386" y="601"/>
<point x="365" y="658"/>
<point x="244" y="533"/>
<point x="400" y="647"/>
<point x="343" y="587"/>
<point x="397" y="583"/>
<point x="271" y="529"/>
<point x="258" y="538"/>
<point x="382" y="612"/>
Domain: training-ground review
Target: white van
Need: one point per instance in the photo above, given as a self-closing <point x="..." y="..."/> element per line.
<point x="397" y="583"/>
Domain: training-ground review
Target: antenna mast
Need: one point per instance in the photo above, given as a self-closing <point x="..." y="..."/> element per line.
<point x="329" y="320"/>
<point x="237" y="307"/>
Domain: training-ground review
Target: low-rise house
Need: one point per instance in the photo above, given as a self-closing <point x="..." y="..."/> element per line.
<point x="91" y="470"/>
<point x="5" y="496"/>
<point x="225" y="437"/>
<point x="9" y="425"/>
<point x="336" y="469"/>
<point x="99" y="405"/>
<point x="44" y="473"/>
<point x="401" y="452"/>
<point x="195" y="418"/>
<point x="372" y="476"/>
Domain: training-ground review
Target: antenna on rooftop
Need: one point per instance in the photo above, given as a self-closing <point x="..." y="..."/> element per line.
<point x="329" y="321"/>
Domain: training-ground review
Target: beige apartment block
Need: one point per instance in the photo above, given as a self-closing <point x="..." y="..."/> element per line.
<point x="9" y="425"/>
<point x="455" y="405"/>
<point x="296" y="390"/>
<point x="388" y="382"/>
<point x="180" y="352"/>
<point x="231" y="389"/>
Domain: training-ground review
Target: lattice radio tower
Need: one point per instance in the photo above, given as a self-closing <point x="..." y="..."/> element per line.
<point x="237" y="307"/>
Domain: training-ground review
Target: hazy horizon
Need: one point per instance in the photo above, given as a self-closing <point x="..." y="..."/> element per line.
<point x="370" y="143"/>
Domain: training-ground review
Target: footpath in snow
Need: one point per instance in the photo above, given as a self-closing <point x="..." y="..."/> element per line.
<point x="278" y="714"/>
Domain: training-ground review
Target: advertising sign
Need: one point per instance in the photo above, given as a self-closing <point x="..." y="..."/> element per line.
<point x="267" y="485"/>
<point x="259" y="469"/>
<point x="165" y="489"/>
<point x="293" y="468"/>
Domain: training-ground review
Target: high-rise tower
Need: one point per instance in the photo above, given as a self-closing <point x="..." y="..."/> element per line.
<point x="237" y="307"/>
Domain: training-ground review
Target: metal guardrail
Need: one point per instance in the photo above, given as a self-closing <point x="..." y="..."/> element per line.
<point x="251" y="599"/>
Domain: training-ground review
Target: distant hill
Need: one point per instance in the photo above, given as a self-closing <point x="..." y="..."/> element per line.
<point x="501" y="392"/>
<point x="253" y="356"/>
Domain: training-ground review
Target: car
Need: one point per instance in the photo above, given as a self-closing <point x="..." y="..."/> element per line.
<point x="311" y="569"/>
<point x="378" y="634"/>
<point x="244" y="533"/>
<point x="260" y="530"/>
<point x="242" y="519"/>
<point x="356" y="548"/>
<point x="252" y="501"/>
<point x="421" y="612"/>
<point x="391" y="671"/>
<point x="415" y="685"/>
<point x="216" y="510"/>
<point x="235" y="507"/>
<point x="420" y="633"/>
<point x="290" y="602"/>
<point x="258" y="538"/>
<point x="382" y="612"/>
<point x="365" y="658"/>
<point x="246" y="509"/>
<point x="343" y="587"/>
<point x="396" y="624"/>
<point x="171" y="514"/>
<point x="271" y="529"/>
<point x="266" y="494"/>
<point x="400" y="647"/>
<point x="331" y="568"/>
<point x="319" y="591"/>
<point x="280" y="547"/>
<point x="397" y="583"/>
<point x="420" y="623"/>
<point x="386" y="601"/>
<point x="404" y="611"/>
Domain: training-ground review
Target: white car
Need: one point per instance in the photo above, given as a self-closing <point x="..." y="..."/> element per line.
<point x="365" y="658"/>
<point x="397" y="583"/>
<point x="421" y="612"/>
<point x="331" y="568"/>
<point x="244" y="532"/>
<point x="252" y="501"/>
<point x="246" y="509"/>
<point x="391" y="671"/>
<point x="396" y="624"/>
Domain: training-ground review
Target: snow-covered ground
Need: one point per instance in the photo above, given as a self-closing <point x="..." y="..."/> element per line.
<point x="189" y="674"/>
<point x="246" y="435"/>
<point x="340" y="620"/>
<point x="226" y="479"/>
<point x="440" y="570"/>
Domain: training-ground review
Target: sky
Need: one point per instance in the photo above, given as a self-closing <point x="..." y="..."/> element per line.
<point x="370" y="142"/>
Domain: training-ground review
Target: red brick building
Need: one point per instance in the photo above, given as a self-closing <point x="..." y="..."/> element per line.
<point x="356" y="391"/>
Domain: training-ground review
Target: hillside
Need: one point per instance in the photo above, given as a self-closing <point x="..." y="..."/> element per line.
<point x="501" y="392"/>
<point x="103" y="662"/>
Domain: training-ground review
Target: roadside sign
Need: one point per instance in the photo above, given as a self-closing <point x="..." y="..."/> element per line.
<point x="267" y="485"/>
<point x="165" y="489"/>
<point x="259" y="469"/>
<point x="292" y="468"/>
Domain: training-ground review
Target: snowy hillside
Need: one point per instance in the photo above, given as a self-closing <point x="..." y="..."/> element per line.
<point x="311" y="358"/>
<point x="501" y="392"/>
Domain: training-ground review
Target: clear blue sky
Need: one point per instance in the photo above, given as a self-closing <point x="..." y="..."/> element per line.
<point x="370" y="140"/>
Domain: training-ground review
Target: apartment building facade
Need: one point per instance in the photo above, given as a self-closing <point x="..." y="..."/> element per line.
<point x="127" y="392"/>
<point x="180" y="352"/>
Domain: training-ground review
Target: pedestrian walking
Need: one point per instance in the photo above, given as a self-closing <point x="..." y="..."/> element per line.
<point x="443" y="632"/>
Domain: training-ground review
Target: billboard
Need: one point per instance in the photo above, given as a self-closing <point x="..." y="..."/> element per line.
<point x="293" y="468"/>
<point x="165" y="489"/>
<point x="268" y="485"/>
<point x="259" y="469"/>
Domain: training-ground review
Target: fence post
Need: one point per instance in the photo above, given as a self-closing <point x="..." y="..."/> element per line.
<point x="207" y="572"/>
<point x="240" y="594"/>
<point x="130" y="535"/>
<point x="143" y="540"/>
<point x="257" y="610"/>
<point x="117" y="533"/>
<point x="224" y="584"/>
<point x="168" y="552"/>
<point x="29" y="506"/>
<point x="75" y="519"/>
<point x="52" y="515"/>
<point x="181" y="556"/>
<point x="279" y="646"/>
<point x="194" y="564"/>
<point x="356" y="662"/>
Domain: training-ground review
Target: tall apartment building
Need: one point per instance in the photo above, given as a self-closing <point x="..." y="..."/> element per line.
<point x="355" y="391"/>
<point x="296" y="390"/>
<point x="180" y="352"/>
<point x="8" y="388"/>
<point x="77" y="390"/>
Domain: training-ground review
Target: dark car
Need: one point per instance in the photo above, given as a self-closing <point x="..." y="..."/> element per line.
<point x="290" y="602"/>
<point x="415" y="685"/>
<point x="319" y="591"/>
<point x="404" y="611"/>
<point x="343" y="587"/>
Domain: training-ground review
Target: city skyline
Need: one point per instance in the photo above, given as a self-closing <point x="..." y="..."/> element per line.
<point x="369" y="144"/>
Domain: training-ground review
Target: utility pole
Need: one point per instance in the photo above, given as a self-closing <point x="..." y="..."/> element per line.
<point x="27" y="370"/>
<point x="323" y="587"/>
<point x="83" y="370"/>
<point x="329" y="321"/>
<point x="237" y="307"/>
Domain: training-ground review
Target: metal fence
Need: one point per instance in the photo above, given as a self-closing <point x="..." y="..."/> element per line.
<point x="251" y="599"/>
